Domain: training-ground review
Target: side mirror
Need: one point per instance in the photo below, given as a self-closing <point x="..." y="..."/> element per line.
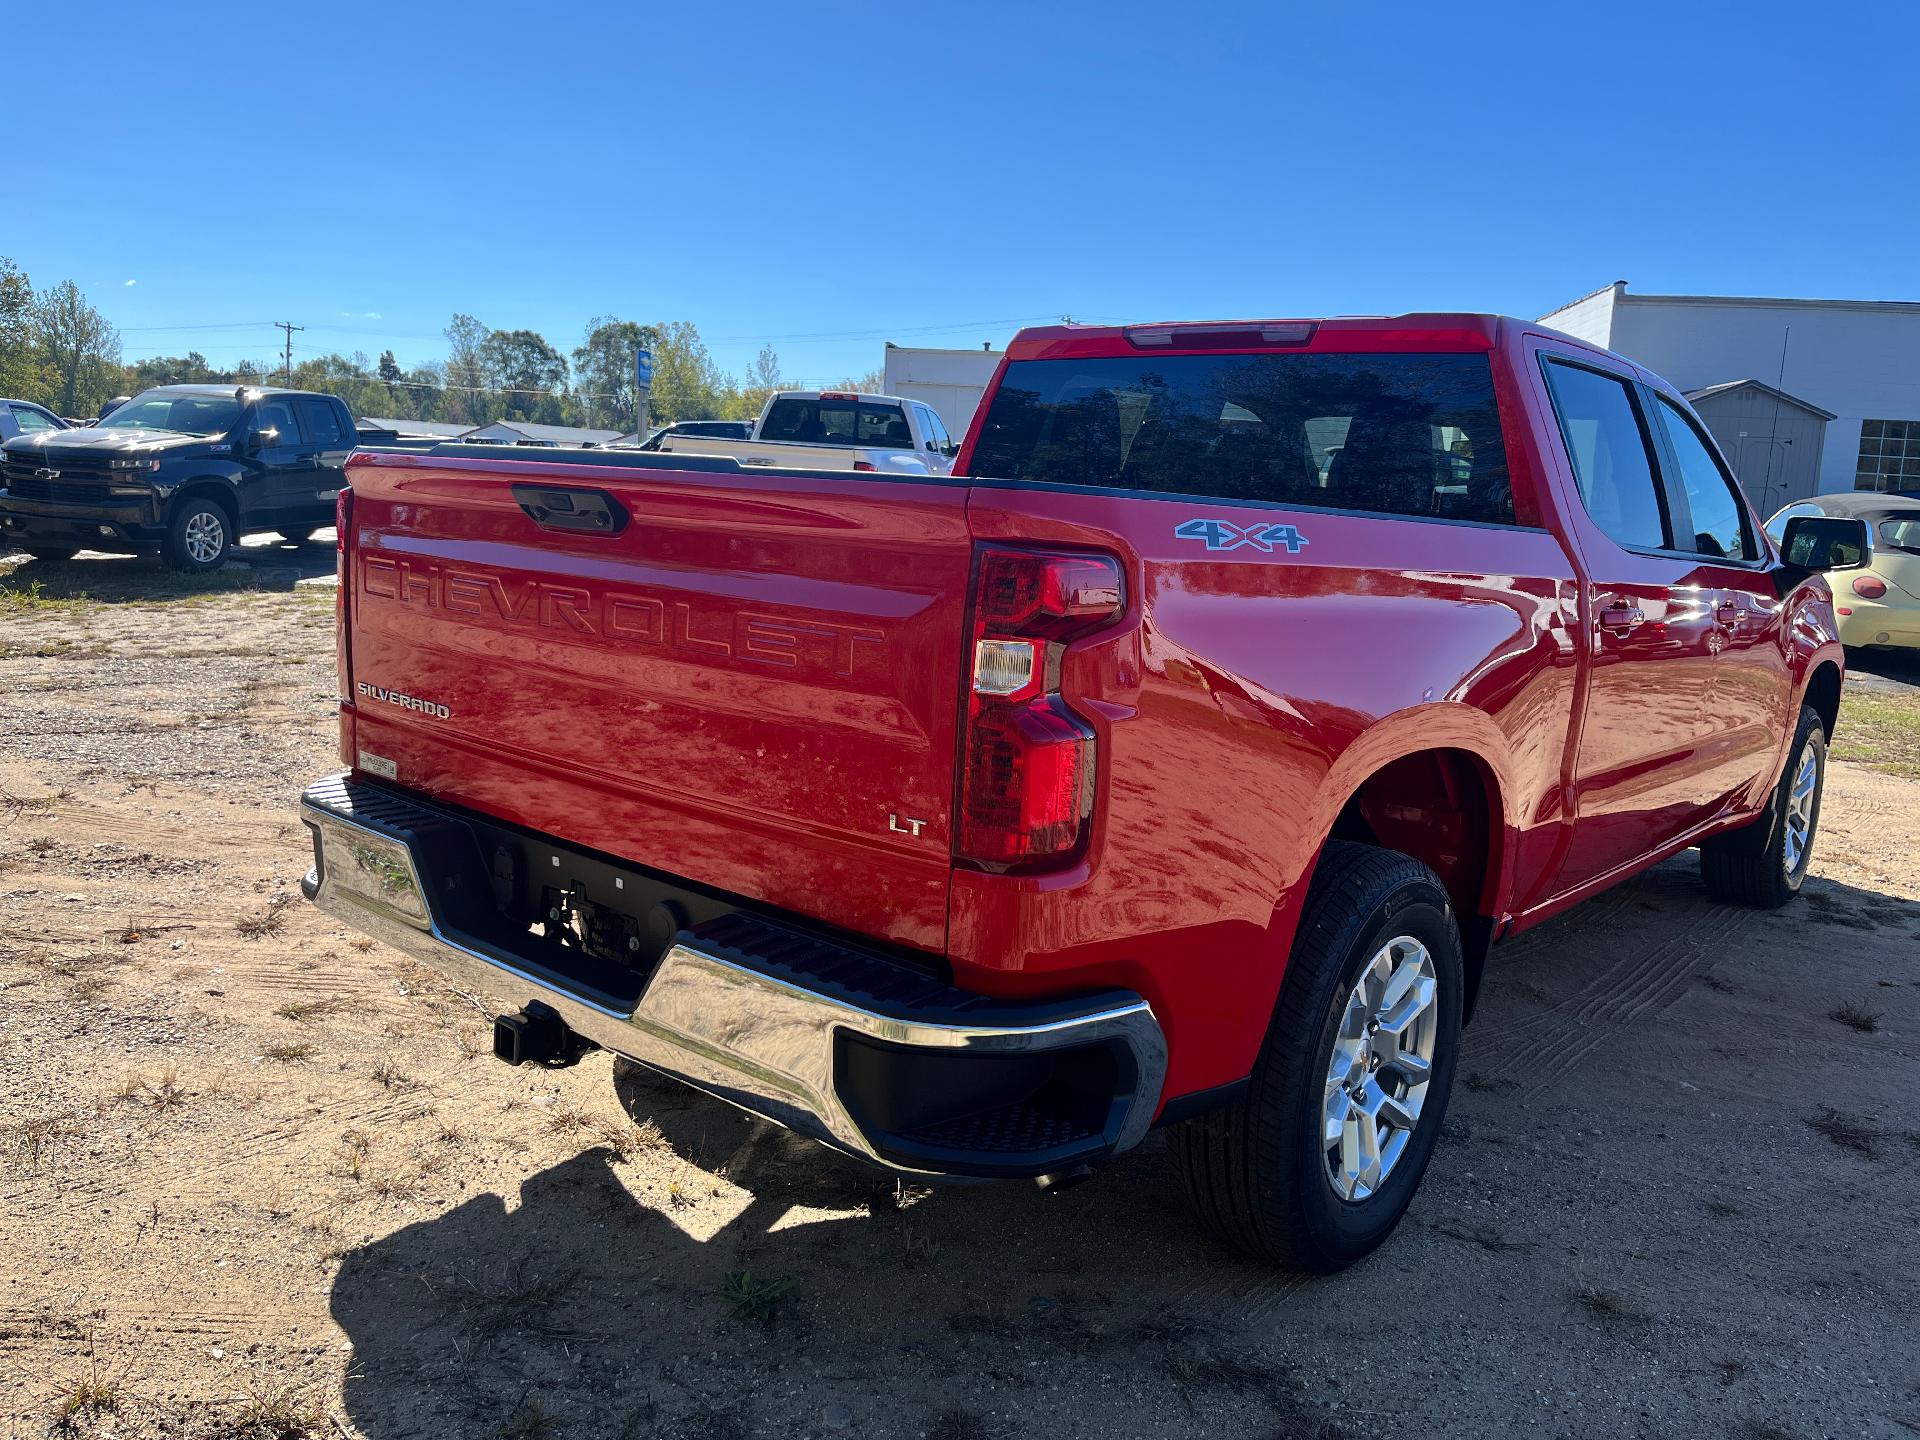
<point x="1825" y="542"/>
<point x="951" y="449"/>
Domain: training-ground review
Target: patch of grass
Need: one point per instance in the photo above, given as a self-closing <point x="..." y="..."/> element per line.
<point x="92" y="1394"/>
<point x="1610" y="1306"/>
<point x="1882" y="731"/>
<point x="27" y="1141"/>
<point x="355" y="1146"/>
<point x="163" y="1092"/>
<point x="1849" y="1132"/>
<point x="310" y="1009"/>
<point x="289" y="1052"/>
<point x="270" y="921"/>
<point x="31" y="597"/>
<point x="43" y="845"/>
<point x="273" y="1414"/>
<point x="1856" y="1016"/>
<point x="625" y="1140"/>
<point x="752" y="1299"/>
<point x="389" y="1074"/>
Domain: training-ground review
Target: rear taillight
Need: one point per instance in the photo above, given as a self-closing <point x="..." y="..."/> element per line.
<point x="1028" y="762"/>
<point x="342" y="535"/>
<point x="1869" y="587"/>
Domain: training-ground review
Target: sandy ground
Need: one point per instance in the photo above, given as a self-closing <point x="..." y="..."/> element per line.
<point x="260" y="1178"/>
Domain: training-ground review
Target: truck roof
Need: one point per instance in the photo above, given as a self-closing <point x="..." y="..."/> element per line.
<point x="228" y="390"/>
<point x="1419" y="330"/>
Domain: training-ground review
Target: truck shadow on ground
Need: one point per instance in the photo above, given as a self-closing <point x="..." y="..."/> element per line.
<point x="587" y="1310"/>
<point x="119" y="579"/>
<point x="735" y="1280"/>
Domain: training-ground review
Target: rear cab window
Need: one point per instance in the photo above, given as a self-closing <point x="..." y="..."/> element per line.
<point x="1611" y="453"/>
<point x="1397" y="434"/>
<point x="847" y="421"/>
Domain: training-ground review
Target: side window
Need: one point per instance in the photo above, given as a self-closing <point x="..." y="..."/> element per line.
<point x="1601" y="426"/>
<point x="30" y="419"/>
<point x="885" y="427"/>
<point x="928" y="440"/>
<point x="940" y="436"/>
<point x="1719" y="517"/>
<point x="276" y="414"/>
<point x="320" y="421"/>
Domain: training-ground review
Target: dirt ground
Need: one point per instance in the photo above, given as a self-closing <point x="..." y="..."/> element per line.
<point x="261" y="1178"/>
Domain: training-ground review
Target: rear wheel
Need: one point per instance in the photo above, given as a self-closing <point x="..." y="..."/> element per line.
<point x="1764" y="863"/>
<point x="199" y="535"/>
<point x="1313" y="1166"/>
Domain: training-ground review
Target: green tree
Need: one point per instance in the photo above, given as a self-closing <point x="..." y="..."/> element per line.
<point x="603" y="369"/>
<point x="746" y="400"/>
<point x="389" y="370"/>
<point x="467" y="397"/>
<point x="529" y="373"/>
<point x="687" y="385"/>
<point x="23" y="374"/>
<point x="78" y="347"/>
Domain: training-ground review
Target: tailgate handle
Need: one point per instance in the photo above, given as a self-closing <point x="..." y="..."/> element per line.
<point x="593" y="511"/>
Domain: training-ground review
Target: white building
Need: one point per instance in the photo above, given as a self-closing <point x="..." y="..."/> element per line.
<point x="1775" y="378"/>
<point x="951" y="381"/>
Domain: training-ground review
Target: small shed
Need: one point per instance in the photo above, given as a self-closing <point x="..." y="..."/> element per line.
<point x="1773" y="440"/>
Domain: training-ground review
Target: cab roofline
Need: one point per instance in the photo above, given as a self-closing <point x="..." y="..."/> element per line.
<point x="1412" y="332"/>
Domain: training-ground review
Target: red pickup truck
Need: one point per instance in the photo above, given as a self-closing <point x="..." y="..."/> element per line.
<point x="1173" y="762"/>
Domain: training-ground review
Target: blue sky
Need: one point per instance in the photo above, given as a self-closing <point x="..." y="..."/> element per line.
<point x="825" y="178"/>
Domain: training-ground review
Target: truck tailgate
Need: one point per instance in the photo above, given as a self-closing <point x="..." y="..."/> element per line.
<point x="753" y="684"/>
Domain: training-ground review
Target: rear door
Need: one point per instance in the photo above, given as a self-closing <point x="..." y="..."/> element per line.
<point x="1646" y="762"/>
<point x="749" y="681"/>
<point x="285" y="461"/>
<point x="330" y="437"/>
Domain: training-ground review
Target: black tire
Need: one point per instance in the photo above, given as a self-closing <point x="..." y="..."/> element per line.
<point x="1751" y="865"/>
<point x="1257" y="1171"/>
<point x="198" y="524"/>
<point x="51" y="552"/>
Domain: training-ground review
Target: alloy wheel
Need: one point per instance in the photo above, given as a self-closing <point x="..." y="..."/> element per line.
<point x="1382" y="1063"/>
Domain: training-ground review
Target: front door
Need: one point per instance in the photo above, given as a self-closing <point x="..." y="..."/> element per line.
<point x="285" y="462"/>
<point x="1752" y="679"/>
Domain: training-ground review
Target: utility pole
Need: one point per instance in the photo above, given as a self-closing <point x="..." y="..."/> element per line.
<point x="283" y="325"/>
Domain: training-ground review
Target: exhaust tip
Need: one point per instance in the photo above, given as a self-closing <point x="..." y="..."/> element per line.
<point x="1063" y="1179"/>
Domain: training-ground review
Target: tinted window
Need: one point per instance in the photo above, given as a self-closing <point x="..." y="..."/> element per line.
<point x="164" y="410"/>
<point x="1719" y="518"/>
<point x="1609" y="454"/>
<point x="940" y="435"/>
<point x="30" y="419"/>
<point x="1402" y="434"/>
<point x="837" y="422"/>
<point x="276" y="415"/>
<point x="320" y="421"/>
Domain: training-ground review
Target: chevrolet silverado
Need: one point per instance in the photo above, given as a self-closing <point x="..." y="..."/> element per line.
<point x="1175" y="762"/>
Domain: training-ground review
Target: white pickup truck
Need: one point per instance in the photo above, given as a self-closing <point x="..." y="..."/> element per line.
<point x="835" y="430"/>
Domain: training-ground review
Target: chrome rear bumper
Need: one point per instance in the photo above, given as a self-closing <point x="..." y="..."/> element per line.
<point x="824" y="1039"/>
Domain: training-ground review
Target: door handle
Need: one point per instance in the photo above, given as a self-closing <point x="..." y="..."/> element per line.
<point x="1621" y="618"/>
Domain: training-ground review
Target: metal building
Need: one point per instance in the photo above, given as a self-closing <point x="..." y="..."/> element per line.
<point x="1856" y="360"/>
<point x="1772" y="439"/>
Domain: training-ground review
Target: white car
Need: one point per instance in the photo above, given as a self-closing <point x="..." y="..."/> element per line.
<point x="835" y="430"/>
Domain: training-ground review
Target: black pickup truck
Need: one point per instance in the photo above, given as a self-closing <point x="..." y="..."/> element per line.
<point x="184" y="469"/>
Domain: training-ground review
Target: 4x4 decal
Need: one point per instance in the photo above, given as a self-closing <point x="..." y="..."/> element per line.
<point x="1225" y="535"/>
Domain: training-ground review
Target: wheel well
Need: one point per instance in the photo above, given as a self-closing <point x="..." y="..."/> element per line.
<point x="1823" y="694"/>
<point x="1443" y="808"/>
<point x="218" y="492"/>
